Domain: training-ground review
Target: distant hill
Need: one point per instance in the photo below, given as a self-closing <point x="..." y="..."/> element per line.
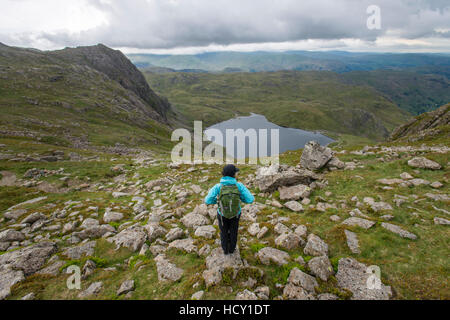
<point x="79" y="96"/>
<point x="297" y="60"/>
<point x="417" y="83"/>
<point x="411" y="91"/>
<point x="309" y="100"/>
<point x="427" y="126"/>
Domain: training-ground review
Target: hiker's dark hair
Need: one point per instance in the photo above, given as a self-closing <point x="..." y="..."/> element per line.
<point x="229" y="170"/>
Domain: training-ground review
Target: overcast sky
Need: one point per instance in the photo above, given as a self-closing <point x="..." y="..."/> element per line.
<point x="192" y="26"/>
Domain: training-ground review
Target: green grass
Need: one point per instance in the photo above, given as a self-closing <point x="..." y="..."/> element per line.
<point x="287" y="98"/>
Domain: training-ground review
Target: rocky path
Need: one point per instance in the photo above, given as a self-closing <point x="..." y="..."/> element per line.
<point x="152" y="219"/>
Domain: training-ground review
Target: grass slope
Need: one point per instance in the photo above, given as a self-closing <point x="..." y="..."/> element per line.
<point x="307" y="100"/>
<point x="71" y="104"/>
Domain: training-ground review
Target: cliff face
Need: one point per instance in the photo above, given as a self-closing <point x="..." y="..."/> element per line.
<point x="116" y="66"/>
<point x="423" y="126"/>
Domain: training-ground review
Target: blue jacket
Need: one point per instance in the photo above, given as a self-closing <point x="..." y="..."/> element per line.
<point x="246" y="196"/>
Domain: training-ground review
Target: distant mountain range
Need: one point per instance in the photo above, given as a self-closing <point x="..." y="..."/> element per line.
<point x="337" y="61"/>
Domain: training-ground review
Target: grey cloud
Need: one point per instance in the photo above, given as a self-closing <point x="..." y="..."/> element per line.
<point x="157" y="24"/>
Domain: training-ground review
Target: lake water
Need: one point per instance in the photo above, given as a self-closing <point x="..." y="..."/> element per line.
<point x="289" y="138"/>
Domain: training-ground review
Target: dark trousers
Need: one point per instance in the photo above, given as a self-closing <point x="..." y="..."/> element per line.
<point x="228" y="233"/>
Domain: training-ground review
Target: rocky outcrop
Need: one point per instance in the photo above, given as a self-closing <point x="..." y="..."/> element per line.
<point x="314" y="156"/>
<point x="167" y="271"/>
<point x="29" y="259"/>
<point x="357" y="278"/>
<point x="425" y="125"/>
<point x="295" y="192"/>
<point x="132" y="238"/>
<point x="269" y="179"/>
<point x="117" y="67"/>
<point x="8" y="278"/>
<point x="315" y="246"/>
<point x="424" y="163"/>
<point x="270" y="255"/>
<point x="397" y="230"/>
<point x="217" y="262"/>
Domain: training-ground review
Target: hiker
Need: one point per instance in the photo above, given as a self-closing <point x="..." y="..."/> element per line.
<point x="228" y="194"/>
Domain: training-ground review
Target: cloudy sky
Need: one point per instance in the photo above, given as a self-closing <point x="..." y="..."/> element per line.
<point x="192" y="26"/>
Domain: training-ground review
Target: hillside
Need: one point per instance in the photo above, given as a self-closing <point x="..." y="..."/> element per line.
<point x="434" y="126"/>
<point x="307" y="100"/>
<point x="413" y="92"/>
<point x="79" y="97"/>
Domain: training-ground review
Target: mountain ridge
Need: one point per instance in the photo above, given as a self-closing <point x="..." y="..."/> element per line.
<point x="70" y="98"/>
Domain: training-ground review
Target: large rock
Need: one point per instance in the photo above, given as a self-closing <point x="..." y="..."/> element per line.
<point x="75" y="253"/>
<point x="269" y="179"/>
<point x="11" y="235"/>
<point x="218" y="260"/>
<point x="89" y="223"/>
<point x="174" y="234"/>
<point x="94" y="232"/>
<point x="315" y="246"/>
<point x="92" y="290"/>
<point x="291" y="292"/>
<point x="294" y="206"/>
<point x="32" y="218"/>
<point x="154" y="231"/>
<point x="335" y="163"/>
<point x="167" y="271"/>
<point x="380" y="206"/>
<point x="354" y="276"/>
<point x="212" y="277"/>
<point x="352" y="241"/>
<point x="321" y="267"/>
<point x="314" y="156"/>
<point x="194" y="220"/>
<point x="289" y="241"/>
<point x="53" y="268"/>
<point x="132" y="238"/>
<point x="301" y="279"/>
<point x="359" y="222"/>
<point x="112" y="216"/>
<point x="441" y="221"/>
<point x="269" y="255"/>
<point x="15" y="214"/>
<point x="397" y="230"/>
<point x="8" y="278"/>
<point x="424" y="163"/>
<point x="125" y="287"/>
<point x="297" y="192"/>
<point x="184" y="245"/>
<point x="29" y="259"/>
<point x="207" y="232"/>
